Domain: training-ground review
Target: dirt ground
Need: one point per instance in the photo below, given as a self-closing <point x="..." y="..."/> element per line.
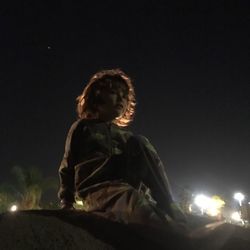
<point x="57" y="229"/>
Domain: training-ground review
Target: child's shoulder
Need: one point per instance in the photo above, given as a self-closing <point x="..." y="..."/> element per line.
<point x="79" y="124"/>
<point x="83" y="122"/>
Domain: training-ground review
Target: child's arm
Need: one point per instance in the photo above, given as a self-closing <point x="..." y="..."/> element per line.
<point x="66" y="192"/>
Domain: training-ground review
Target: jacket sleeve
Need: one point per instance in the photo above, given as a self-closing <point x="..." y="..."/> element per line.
<point x="66" y="192"/>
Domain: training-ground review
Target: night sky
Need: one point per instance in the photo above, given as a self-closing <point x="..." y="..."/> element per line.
<point x="189" y="61"/>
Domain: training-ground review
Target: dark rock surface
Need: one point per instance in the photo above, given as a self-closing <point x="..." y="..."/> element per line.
<point x="57" y="229"/>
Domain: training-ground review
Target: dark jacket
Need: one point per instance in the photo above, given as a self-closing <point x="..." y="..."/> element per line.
<point x="89" y="147"/>
<point x="98" y="152"/>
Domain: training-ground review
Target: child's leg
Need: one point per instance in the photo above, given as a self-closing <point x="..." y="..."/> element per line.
<point x="145" y="165"/>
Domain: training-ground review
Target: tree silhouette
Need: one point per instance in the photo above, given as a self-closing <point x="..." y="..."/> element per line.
<point x="30" y="185"/>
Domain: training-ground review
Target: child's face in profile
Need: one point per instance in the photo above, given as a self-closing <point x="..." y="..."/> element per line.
<point x="113" y="101"/>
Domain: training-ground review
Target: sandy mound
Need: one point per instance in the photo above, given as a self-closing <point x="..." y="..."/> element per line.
<point x="73" y="230"/>
<point x="33" y="231"/>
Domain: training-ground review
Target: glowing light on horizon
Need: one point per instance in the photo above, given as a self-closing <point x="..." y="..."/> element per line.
<point x="212" y="206"/>
<point x="13" y="208"/>
<point x="239" y="197"/>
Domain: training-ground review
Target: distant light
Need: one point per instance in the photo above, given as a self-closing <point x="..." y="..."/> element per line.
<point x="201" y="201"/>
<point x="13" y="208"/>
<point x="210" y="205"/>
<point x="213" y="211"/>
<point x="236" y="216"/>
<point x="239" y="197"/>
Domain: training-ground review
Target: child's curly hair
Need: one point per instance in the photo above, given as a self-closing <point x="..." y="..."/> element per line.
<point x="87" y="101"/>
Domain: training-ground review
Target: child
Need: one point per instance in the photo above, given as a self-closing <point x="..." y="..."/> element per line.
<point x="118" y="175"/>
